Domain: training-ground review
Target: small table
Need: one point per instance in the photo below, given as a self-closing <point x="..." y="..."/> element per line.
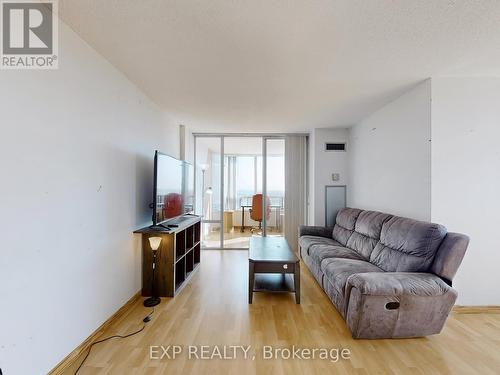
<point x="270" y="263"/>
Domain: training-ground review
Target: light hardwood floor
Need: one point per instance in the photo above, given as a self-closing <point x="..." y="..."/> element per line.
<point x="213" y="310"/>
<point x="235" y="239"/>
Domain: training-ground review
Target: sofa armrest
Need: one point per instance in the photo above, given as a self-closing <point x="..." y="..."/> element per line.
<point x="305" y="230"/>
<point x="449" y="256"/>
<point x="398" y="284"/>
<point x="397" y="304"/>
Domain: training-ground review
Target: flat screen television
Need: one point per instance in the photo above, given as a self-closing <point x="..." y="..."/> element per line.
<point x="168" y="188"/>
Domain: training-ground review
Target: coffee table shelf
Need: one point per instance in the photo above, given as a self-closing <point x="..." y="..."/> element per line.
<point x="274" y="282"/>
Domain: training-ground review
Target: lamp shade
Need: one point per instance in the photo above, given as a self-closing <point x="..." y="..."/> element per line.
<point x="154" y="242"/>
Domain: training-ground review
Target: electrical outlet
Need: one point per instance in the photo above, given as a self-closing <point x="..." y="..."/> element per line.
<point x="335" y="176"/>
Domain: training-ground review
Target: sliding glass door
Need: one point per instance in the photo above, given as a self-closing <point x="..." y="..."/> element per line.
<point x="209" y="189"/>
<point x="274" y="186"/>
<point x="240" y="188"/>
<point x="242" y="184"/>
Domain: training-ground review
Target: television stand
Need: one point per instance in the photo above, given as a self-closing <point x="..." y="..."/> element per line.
<point x="178" y="256"/>
<point x="159" y="227"/>
<point x="179" y="221"/>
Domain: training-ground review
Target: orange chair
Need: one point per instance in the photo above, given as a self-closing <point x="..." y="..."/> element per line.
<point x="256" y="210"/>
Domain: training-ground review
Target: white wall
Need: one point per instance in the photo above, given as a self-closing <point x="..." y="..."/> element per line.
<point x="186" y="145"/>
<point x="466" y="178"/>
<point x="310" y="178"/>
<point x="76" y="150"/>
<point x="391" y="164"/>
<point x="324" y="163"/>
<point x="390" y="157"/>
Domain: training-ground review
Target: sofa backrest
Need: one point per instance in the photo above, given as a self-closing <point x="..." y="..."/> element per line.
<point x="344" y="224"/>
<point x="407" y="245"/>
<point x="398" y="244"/>
<point x="366" y="232"/>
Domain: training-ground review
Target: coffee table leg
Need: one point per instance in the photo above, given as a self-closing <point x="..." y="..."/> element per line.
<point x="296" y="279"/>
<point x="251" y="277"/>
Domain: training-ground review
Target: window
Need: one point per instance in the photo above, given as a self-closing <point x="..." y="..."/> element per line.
<point x="276" y="176"/>
<point x="243" y="179"/>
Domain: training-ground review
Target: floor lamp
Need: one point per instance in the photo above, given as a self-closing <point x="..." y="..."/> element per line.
<point x="154" y="300"/>
<point x="204" y="168"/>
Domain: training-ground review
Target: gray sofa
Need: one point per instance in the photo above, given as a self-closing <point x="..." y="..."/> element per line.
<point x="388" y="276"/>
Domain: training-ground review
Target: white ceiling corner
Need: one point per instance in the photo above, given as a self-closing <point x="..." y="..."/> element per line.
<point x="284" y="65"/>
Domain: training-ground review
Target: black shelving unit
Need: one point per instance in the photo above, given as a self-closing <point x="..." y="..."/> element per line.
<point x="187" y="250"/>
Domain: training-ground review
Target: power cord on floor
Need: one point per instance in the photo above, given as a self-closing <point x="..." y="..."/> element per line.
<point x="146" y="319"/>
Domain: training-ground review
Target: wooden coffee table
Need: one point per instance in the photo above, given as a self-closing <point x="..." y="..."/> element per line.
<point x="272" y="267"/>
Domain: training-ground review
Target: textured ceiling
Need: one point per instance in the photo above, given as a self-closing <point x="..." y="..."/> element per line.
<point x="286" y="65"/>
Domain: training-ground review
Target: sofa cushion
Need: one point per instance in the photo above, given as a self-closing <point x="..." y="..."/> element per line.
<point x="344" y="224"/>
<point x="305" y="242"/>
<point x="320" y="252"/>
<point x="367" y="232"/>
<point x="314" y="267"/>
<point x="407" y="245"/>
<point x="336" y="272"/>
